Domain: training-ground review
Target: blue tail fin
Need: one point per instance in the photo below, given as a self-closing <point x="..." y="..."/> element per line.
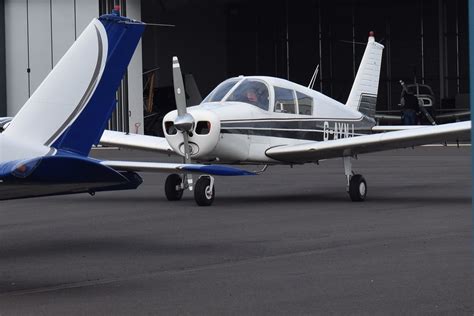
<point x="122" y="38"/>
<point x="74" y="102"/>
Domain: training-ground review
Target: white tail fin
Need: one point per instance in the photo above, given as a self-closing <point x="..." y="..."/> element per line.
<point x="65" y="91"/>
<point x="70" y="109"/>
<point x="363" y="96"/>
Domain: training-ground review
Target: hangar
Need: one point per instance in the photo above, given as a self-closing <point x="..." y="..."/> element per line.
<point x="425" y="41"/>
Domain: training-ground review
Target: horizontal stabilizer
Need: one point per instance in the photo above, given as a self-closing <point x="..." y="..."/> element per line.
<point x="57" y="175"/>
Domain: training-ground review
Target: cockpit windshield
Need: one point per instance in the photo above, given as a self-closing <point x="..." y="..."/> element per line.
<point x="221" y="90"/>
<point x="251" y="91"/>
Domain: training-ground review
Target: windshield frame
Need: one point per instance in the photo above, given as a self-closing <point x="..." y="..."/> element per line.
<point x="237" y="80"/>
<point x="244" y="79"/>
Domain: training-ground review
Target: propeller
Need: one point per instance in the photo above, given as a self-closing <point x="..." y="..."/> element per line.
<point x="184" y="122"/>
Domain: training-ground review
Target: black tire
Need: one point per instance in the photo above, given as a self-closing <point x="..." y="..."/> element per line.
<point x="202" y="193"/>
<point x="173" y="191"/>
<point x="357" y="188"/>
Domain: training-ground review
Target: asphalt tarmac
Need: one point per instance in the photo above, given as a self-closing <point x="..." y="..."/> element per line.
<point x="286" y="242"/>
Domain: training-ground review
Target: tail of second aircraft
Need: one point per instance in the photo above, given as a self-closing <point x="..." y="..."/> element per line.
<point x="44" y="149"/>
<point x="363" y="96"/>
<point x="70" y="109"/>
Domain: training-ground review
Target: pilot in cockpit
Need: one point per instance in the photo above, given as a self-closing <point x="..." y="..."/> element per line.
<point x="251" y="92"/>
<point x="251" y="96"/>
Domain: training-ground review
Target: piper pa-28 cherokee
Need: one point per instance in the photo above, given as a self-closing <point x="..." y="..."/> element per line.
<point x="268" y="121"/>
<point x="75" y="101"/>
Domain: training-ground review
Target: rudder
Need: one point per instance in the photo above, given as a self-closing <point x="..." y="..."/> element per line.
<point x="363" y="95"/>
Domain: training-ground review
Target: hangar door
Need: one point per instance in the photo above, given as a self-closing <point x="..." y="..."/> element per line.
<point x="37" y="34"/>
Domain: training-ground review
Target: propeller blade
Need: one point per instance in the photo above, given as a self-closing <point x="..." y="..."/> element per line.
<point x="184" y="122"/>
<point x="178" y="87"/>
<point x="187" y="160"/>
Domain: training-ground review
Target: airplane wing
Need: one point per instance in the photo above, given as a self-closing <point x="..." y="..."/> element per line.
<point x="440" y="118"/>
<point x="137" y="166"/>
<point x="314" y="151"/>
<point x="453" y="116"/>
<point x="135" y="141"/>
<point x="391" y="128"/>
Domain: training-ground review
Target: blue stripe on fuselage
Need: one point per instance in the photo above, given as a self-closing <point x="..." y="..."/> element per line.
<point x="123" y="35"/>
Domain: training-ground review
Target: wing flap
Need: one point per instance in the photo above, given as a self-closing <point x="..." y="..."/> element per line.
<point x="314" y="151"/>
<point x="135" y="141"/>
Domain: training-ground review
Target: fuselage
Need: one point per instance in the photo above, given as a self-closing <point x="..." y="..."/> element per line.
<point x="245" y="116"/>
<point x="17" y="148"/>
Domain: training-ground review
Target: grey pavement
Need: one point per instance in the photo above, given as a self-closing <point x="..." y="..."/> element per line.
<point x="286" y="242"/>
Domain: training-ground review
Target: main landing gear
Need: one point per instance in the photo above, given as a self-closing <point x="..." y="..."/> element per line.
<point x="356" y="184"/>
<point x="174" y="187"/>
<point x="204" y="191"/>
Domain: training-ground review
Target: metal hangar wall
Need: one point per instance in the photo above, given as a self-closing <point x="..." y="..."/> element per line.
<point x="39" y="32"/>
<point x="426" y="41"/>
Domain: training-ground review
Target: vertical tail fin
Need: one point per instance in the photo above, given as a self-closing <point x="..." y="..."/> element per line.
<point x="363" y="96"/>
<point x="70" y="108"/>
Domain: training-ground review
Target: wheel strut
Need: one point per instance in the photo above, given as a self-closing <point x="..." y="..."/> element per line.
<point x="348" y="170"/>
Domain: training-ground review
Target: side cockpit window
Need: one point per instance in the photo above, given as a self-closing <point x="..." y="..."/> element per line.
<point x="284" y="101"/>
<point x="251" y="91"/>
<point x="305" y="104"/>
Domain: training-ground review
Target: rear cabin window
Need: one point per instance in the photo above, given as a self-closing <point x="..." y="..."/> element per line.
<point x="284" y="101"/>
<point x="305" y="104"/>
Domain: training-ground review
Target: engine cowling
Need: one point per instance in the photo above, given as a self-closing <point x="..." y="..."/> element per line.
<point x="203" y="136"/>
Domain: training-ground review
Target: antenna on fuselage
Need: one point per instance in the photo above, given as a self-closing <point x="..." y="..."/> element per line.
<point x="313" y="79"/>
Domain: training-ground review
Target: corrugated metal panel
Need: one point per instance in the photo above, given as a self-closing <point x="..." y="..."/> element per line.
<point x="86" y="10"/>
<point x="39" y="39"/>
<point x="16" y="54"/>
<point x="63" y="27"/>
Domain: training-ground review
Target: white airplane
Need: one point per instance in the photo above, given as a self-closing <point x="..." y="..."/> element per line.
<point x="269" y="121"/>
<point x="44" y="149"/>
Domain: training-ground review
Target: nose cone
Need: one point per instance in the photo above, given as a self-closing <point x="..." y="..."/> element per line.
<point x="202" y="126"/>
<point x="184" y="123"/>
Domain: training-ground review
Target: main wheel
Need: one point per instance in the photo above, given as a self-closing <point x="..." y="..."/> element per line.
<point x="357" y="188"/>
<point x="203" y="194"/>
<point x="173" y="189"/>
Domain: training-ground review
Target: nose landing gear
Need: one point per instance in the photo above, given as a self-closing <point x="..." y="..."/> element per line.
<point x="204" y="191"/>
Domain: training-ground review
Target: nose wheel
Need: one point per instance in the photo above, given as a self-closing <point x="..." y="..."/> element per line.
<point x="204" y="191"/>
